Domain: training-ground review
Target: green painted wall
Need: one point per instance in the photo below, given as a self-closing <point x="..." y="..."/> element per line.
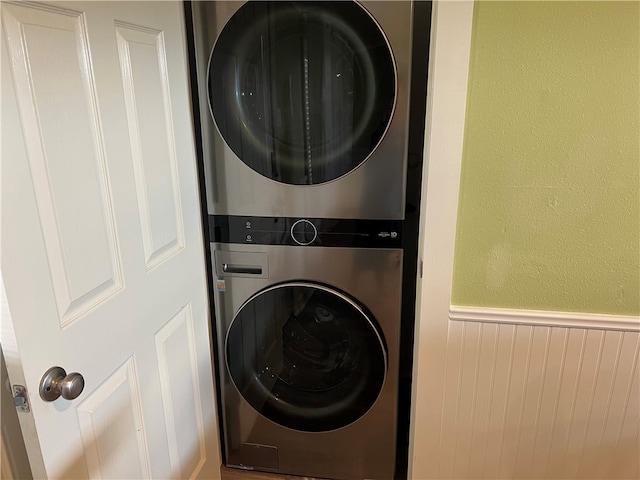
<point x="549" y="214"/>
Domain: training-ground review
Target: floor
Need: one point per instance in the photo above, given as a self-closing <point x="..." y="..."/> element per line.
<point x="238" y="474"/>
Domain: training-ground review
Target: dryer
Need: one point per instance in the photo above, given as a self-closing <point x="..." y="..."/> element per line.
<point x="309" y="347"/>
<point x="304" y="107"/>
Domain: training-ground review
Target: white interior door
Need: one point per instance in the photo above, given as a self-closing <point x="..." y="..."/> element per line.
<point x="102" y="253"/>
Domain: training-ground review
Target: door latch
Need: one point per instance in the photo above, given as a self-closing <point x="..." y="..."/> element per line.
<point x="20" y="399"/>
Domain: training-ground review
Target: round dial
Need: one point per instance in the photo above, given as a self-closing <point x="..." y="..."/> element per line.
<point x="304" y="232"/>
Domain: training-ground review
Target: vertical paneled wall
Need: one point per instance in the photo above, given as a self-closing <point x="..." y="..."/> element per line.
<point x="539" y="402"/>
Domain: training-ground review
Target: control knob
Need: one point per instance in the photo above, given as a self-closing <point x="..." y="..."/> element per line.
<point x="304" y="232"/>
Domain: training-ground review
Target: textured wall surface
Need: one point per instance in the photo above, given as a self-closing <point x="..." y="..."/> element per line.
<point x="549" y="215"/>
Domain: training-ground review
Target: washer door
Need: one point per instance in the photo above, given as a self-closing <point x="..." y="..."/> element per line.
<point x="302" y="92"/>
<point x="306" y="357"/>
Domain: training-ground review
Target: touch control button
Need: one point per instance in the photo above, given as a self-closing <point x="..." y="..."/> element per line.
<point x="303" y="232"/>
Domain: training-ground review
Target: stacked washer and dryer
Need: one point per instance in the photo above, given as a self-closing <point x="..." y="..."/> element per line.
<point x="304" y="110"/>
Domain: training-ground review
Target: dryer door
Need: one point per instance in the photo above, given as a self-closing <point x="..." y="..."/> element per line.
<point x="302" y="92"/>
<point x="306" y="357"/>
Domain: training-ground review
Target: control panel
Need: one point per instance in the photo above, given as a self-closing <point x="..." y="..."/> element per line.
<point x="306" y="231"/>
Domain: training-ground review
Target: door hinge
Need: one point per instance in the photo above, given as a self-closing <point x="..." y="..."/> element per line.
<point x="420" y="266"/>
<point x="20" y="399"/>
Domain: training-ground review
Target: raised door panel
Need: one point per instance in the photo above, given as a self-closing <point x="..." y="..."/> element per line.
<point x="53" y="81"/>
<point x="177" y="361"/>
<point x="112" y="428"/>
<point x="146" y="85"/>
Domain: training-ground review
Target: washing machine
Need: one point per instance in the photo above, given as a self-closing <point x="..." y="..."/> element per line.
<point x="304" y="106"/>
<point x="308" y="328"/>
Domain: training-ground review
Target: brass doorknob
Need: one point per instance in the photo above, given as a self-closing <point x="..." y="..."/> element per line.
<point x="55" y="383"/>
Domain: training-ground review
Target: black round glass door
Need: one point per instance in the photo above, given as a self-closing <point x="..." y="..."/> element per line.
<point x="302" y="92"/>
<point x="306" y="357"/>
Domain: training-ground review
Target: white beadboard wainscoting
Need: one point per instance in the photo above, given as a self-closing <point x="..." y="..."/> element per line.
<point x="539" y="401"/>
<point x="521" y="401"/>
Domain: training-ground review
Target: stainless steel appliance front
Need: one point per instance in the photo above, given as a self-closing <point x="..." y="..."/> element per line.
<point x="304" y="107"/>
<point x="308" y="354"/>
